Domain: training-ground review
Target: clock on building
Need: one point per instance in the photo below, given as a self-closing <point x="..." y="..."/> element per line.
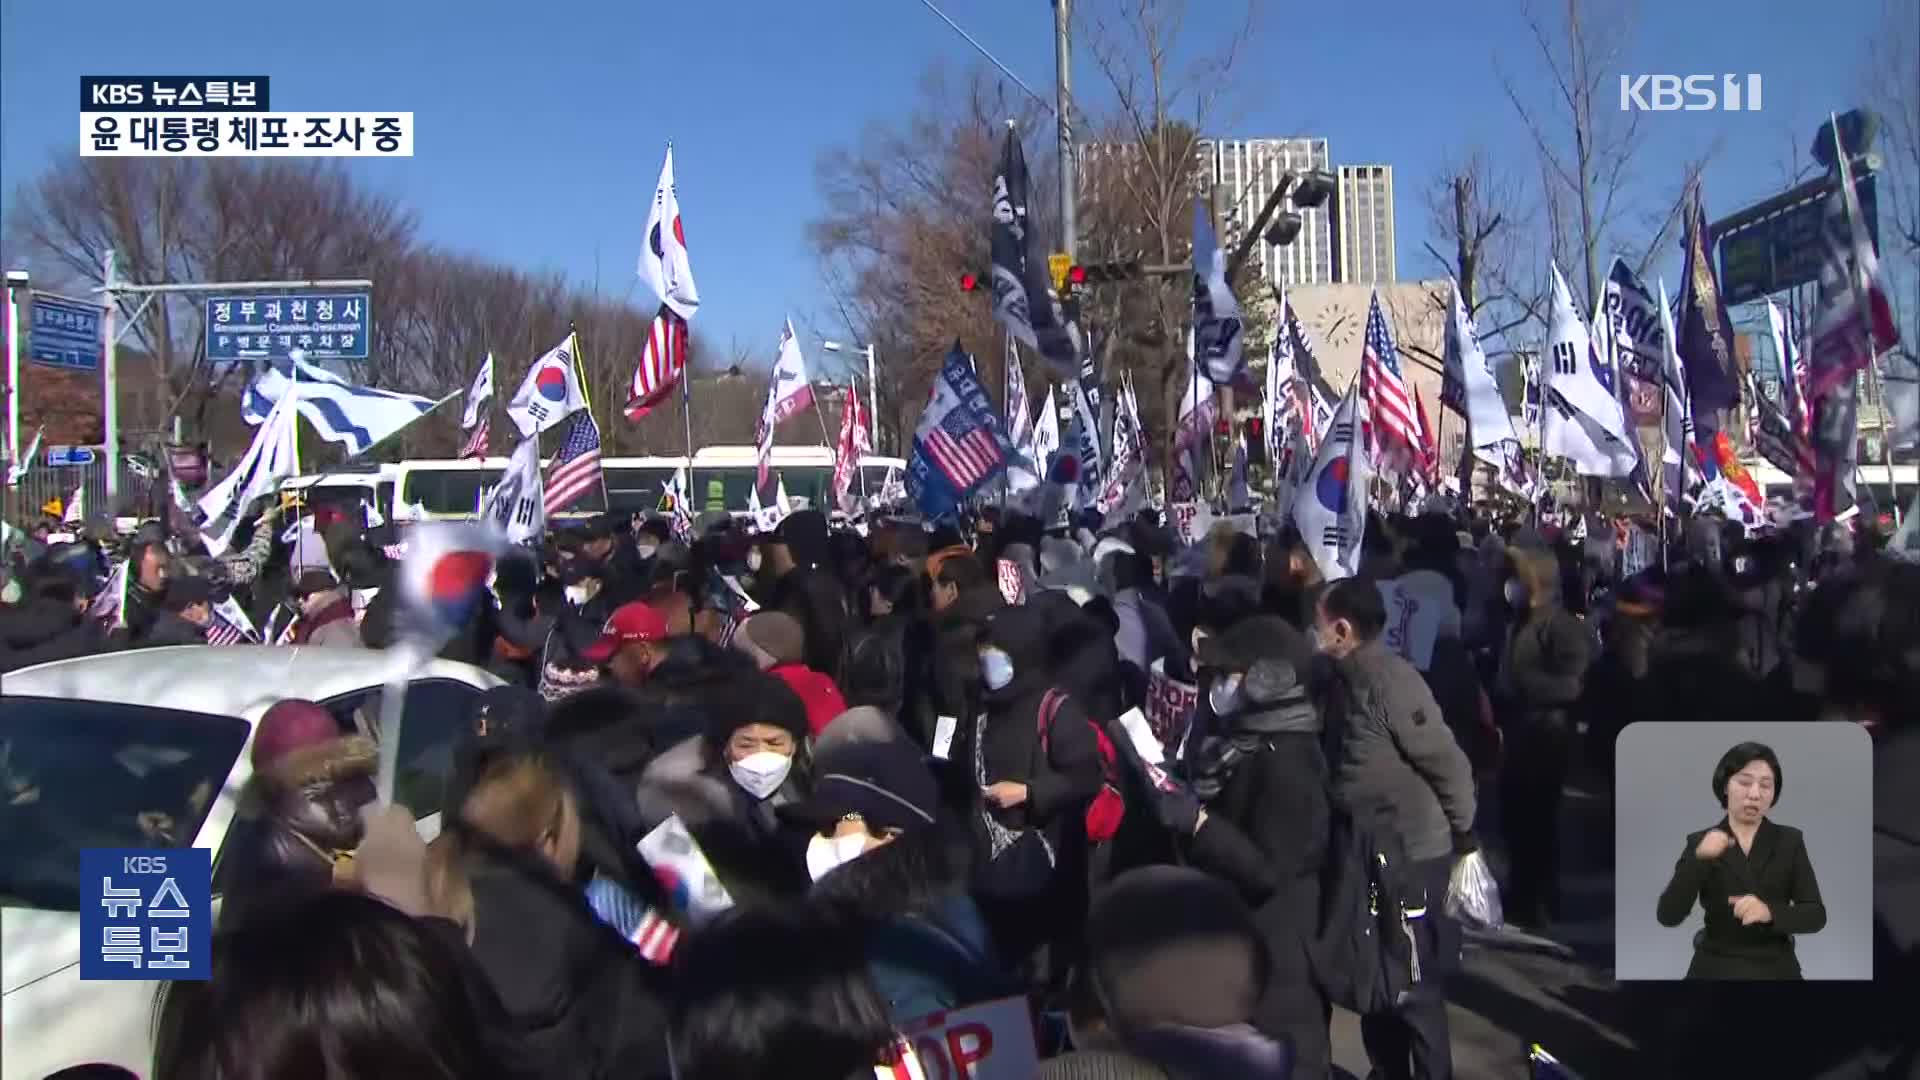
<point x="1336" y="329"/>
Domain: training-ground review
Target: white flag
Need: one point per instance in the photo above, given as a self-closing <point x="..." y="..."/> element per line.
<point x="1487" y="421"/>
<point x="17" y="470"/>
<point x="551" y="392"/>
<point x="76" y="507"/>
<point x="518" y="502"/>
<point x="478" y="395"/>
<point x="663" y="253"/>
<point x="1019" y="418"/>
<point x="1330" y="507"/>
<point x="1582" y="420"/>
<point x="259" y="472"/>
<point x="1043" y="442"/>
<point x="788" y="392"/>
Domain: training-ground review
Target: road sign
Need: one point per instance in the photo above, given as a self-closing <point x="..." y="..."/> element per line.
<point x="326" y="325"/>
<point x="58" y="456"/>
<point x="1784" y="249"/>
<point x="1058" y="264"/>
<point x="65" y="333"/>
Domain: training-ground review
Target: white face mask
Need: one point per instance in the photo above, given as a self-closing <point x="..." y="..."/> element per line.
<point x="762" y="773"/>
<point x="754" y="559"/>
<point x="647" y="550"/>
<point x="996" y="668"/>
<point x="826" y="854"/>
<point x="1224" y="695"/>
<point x="578" y="595"/>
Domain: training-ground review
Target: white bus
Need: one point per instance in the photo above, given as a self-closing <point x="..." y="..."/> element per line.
<point x="721" y="479"/>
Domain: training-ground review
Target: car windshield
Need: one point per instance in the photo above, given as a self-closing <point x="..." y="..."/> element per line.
<point x="85" y="774"/>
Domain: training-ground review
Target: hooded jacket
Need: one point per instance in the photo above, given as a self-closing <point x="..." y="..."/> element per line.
<point x="1265" y="834"/>
<point x="1063" y="779"/>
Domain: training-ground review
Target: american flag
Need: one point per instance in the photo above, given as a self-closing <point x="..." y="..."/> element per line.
<point x="222" y="632"/>
<point x="1384" y="389"/>
<point x="476" y="446"/>
<point x="577" y="469"/>
<point x="855" y="443"/>
<point x="964" y="450"/>
<point x="662" y="361"/>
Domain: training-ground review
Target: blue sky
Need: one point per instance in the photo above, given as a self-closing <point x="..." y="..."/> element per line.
<point x="540" y="127"/>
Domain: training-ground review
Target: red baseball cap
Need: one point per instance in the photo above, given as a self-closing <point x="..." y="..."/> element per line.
<point x="629" y="623"/>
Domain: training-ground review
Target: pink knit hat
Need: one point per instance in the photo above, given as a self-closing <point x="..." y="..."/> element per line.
<point x="289" y="725"/>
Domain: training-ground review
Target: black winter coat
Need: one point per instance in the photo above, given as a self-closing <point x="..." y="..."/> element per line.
<point x="1266" y="834"/>
<point x="40" y="631"/>
<point x="580" y="996"/>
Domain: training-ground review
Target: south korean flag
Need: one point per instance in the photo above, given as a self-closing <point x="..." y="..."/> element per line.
<point x="1330" y="505"/>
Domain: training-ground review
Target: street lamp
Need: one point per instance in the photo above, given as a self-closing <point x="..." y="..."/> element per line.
<point x="16" y="284"/>
<point x="873" y="392"/>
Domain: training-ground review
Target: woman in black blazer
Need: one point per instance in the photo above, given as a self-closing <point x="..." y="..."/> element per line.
<point x="1751" y="876"/>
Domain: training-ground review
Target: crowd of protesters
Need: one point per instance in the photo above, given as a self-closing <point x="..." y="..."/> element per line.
<point x="896" y="745"/>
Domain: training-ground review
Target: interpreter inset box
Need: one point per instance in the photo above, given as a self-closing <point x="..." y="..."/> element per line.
<point x="1743" y="851"/>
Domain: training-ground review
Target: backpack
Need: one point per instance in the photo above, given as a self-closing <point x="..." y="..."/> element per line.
<point x="1363" y="952"/>
<point x="1109" y="806"/>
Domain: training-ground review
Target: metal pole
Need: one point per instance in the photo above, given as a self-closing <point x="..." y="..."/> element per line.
<point x="110" y="385"/>
<point x="16" y="281"/>
<point x="873" y="399"/>
<point x="1063" y="89"/>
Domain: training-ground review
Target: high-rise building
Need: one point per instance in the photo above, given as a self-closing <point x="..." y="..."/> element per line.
<point x="1363" y="225"/>
<point x="1247" y="170"/>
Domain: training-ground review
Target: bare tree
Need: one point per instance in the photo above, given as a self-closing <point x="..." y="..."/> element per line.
<point x="908" y="207"/>
<point x="1140" y="178"/>
<point x="1587" y="148"/>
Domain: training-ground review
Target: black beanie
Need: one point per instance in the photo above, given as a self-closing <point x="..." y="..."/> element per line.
<point x="757" y="698"/>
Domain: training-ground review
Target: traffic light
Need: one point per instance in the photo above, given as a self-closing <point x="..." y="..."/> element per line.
<point x="970" y="281"/>
<point x="1102" y="273"/>
<point x="1256" y="440"/>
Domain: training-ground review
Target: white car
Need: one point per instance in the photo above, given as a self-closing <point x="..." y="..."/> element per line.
<point x="123" y="750"/>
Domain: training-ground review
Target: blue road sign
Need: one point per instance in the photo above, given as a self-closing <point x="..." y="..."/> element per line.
<point x="65" y="333"/>
<point x="58" y="456"/>
<point x="325" y="325"/>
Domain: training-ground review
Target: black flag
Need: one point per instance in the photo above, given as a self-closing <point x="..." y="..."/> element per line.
<point x="1021" y="299"/>
<point x="1705" y="332"/>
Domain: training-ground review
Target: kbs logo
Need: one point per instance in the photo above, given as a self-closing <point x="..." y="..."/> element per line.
<point x="1689" y="93"/>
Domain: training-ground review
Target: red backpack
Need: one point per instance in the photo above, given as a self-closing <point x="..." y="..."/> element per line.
<point x="1109" y="806"/>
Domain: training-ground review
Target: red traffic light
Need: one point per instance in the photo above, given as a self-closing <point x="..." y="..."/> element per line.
<point x="969" y="282"/>
<point x="1255" y="428"/>
<point x="1223" y="426"/>
<point x="1076" y="275"/>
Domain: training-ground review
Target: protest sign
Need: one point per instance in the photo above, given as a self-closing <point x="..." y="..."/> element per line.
<point x="1170" y="704"/>
<point x="992" y="1041"/>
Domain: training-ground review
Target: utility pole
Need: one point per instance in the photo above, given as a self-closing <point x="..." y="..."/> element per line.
<point x="1063" y="90"/>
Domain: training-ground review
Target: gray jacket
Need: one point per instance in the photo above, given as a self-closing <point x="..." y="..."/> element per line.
<point x="1391" y="747"/>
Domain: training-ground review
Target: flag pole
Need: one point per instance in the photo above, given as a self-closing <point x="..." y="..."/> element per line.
<point x="1864" y="305"/>
<point x="586" y="392"/>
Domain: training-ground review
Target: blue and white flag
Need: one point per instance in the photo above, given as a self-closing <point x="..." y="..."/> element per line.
<point x="1021" y="299"/>
<point x="1217" y="327"/>
<point x="266" y="463"/>
<point x="959" y="444"/>
<point x="354" y="416"/>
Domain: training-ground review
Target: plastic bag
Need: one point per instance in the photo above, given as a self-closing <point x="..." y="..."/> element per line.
<point x="1473" y="896"/>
